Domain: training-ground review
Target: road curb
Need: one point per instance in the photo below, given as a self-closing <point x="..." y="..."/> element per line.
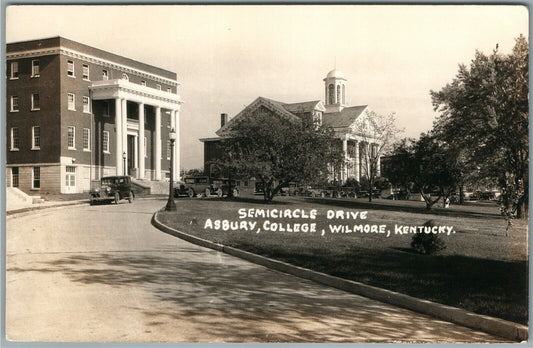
<point x="29" y="210"/>
<point x="495" y="326"/>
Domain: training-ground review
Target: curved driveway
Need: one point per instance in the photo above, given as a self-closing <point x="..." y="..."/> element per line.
<point x="104" y="273"/>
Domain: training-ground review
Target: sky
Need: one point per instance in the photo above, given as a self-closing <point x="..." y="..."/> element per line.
<point x="227" y="56"/>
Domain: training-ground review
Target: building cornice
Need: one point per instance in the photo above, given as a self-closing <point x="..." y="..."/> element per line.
<point x="92" y="59"/>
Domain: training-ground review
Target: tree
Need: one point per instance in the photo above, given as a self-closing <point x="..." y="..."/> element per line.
<point x="277" y="150"/>
<point x="484" y="112"/>
<point x="401" y="164"/>
<point x="377" y="133"/>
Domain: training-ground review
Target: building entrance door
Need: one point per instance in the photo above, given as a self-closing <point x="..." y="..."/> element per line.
<point x="131" y="155"/>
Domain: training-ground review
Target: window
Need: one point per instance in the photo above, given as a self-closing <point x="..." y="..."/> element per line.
<point x="331" y="93"/>
<point x="14" y="139"/>
<point x="158" y="86"/>
<point x="71" y="101"/>
<point x="105" y="141"/>
<point x="15" y="176"/>
<point x="168" y="150"/>
<point x="86" y="139"/>
<point x="143" y="83"/>
<point x="14" y="70"/>
<point x="35" y="68"/>
<point x="70" y="176"/>
<point x="145" y="148"/>
<point x="85" y="72"/>
<point x="35" y="103"/>
<point x="168" y="123"/>
<point x="338" y="94"/>
<point x="71" y="138"/>
<point x="70" y="68"/>
<point x="86" y="105"/>
<point x="36" y="177"/>
<point x="14" y="103"/>
<point x="105" y="75"/>
<point x="169" y="90"/>
<point x="36" y="138"/>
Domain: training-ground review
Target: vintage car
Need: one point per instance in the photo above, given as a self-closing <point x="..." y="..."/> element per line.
<point x="112" y="189"/>
<point x="205" y="186"/>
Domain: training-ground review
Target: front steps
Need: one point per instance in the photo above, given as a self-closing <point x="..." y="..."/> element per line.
<point x="17" y="199"/>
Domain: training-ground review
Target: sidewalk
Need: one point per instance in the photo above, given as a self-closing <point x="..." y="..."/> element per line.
<point x="16" y="208"/>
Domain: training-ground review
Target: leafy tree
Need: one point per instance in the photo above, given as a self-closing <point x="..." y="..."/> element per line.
<point x="401" y="165"/>
<point x="484" y="113"/>
<point x="277" y="150"/>
<point x="378" y="133"/>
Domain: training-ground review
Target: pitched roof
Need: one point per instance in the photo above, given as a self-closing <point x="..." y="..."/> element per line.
<point x="301" y="107"/>
<point x="344" y="118"/>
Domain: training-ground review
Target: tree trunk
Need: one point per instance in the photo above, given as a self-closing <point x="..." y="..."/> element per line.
<point x="461" y="194"/>
<point x="370" y="186"/>
<point x="522" y="208"/>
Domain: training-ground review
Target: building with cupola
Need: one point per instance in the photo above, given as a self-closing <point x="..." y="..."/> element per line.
<point x="348" y="122"/>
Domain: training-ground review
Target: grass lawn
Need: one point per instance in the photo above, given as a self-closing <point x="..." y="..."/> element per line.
<point x="482" y="269"/>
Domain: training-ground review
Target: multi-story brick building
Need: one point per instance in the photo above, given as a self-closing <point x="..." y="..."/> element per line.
<point x="76" y="113"/>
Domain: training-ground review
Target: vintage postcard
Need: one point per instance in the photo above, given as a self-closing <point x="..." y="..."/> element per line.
<point x="266" y="173"/>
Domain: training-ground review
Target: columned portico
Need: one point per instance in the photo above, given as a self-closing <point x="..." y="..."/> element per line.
<point x="123" y="91"/>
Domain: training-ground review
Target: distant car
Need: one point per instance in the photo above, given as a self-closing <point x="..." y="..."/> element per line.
<point x="112" y="189"/>
<point x="203" y="185"/>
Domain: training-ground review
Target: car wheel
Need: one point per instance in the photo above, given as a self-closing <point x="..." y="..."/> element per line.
<point x="235" y="192"/>
<point x="219" y="192"/>
<point x="131" y="197"/>
<point x="207" y="192"/>
<point x="190" y="192"/>
<point x="91" y="202"/>
<point x="117" y="198"/>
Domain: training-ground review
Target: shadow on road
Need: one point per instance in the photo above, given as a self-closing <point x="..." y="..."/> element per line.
<point x="242" y="302"/>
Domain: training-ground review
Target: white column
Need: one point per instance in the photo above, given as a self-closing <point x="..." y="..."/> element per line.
<point x="177" y="156"/>
<point x="140" y="143"/>
<point x="125" y="133"/>
<point x="378" y="169"/>
<point x="136" y="150"/>
<point x="157" y="159"/>
<point x="357" y="162"/>
<point x="344" y="173"/>
<point x="118" y="133"/>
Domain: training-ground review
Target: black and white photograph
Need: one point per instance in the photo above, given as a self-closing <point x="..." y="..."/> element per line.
<point x="267" y="173"/>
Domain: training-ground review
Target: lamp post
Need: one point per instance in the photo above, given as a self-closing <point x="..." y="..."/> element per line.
<point x="171" y="206"/>
<point x="124" y="157"/>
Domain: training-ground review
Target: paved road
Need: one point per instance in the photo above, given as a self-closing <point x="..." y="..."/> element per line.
<point x="103" y="273"/>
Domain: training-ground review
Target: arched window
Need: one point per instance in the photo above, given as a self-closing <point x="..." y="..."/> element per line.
<point x="338" y="93"/>
<point x="343" y="94"/>
<point x="331" y="94"/>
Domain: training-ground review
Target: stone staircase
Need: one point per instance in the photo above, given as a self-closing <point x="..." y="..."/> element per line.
<point x="17" y="199"/>
<point x="150" y="187"/>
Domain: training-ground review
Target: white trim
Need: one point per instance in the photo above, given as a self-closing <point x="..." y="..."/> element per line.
<point x="11" y="142"/>
<point x="73" y="101"/>
<point x="33" y="178"/>
<point x="73" y="68"/>
<point x="73" y="147"/>
<point x="33" y="147"/>
<point x="91" y="59"/>
<point x="103" y="142"/>
<point x="88" y="111"/>
<point x="32" y="66"/>
<point x="33" y="108"/>
<point x="11" y="77"/>
<point x="11" y="103"/>
<point x="87" y="149"/>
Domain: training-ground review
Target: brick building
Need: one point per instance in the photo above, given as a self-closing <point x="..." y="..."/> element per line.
<point x="348" y="122"/>
<point x="76" y="113"/>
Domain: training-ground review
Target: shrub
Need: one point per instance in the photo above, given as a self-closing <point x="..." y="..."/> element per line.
<point x="427" y="243"/>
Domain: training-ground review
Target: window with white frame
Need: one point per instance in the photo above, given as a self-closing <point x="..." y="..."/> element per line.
<point x="35" y="102"/>
<point x="85" y="72"/>
<point x="70" y="176"/>
<point x="86" y="139"/>
<point x="14" y="70"/>
<point x="15" y="176"/>
<point x="105" y="75"/>
<point x="158" y="86"/>
<point x="70" y="68"/>
<point x="14" y="103"/>
<point x="168" y="150"/>
<point x="105" y="141"/>
<point x="36" y="182"/>
<point x="143" y="83"/>
<point x="86" y="104"/>
<point x="35" y="68"/>
<point x="14" y="139"/>
<point x="71" y="101"/>
<point x="169" y="90"/>
<point x="36" y="137"/>
<point x="71" y="138"/>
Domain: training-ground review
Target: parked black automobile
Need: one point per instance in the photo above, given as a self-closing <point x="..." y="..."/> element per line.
<point x="112" y="189"/>
<point x="203" y="185"/>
